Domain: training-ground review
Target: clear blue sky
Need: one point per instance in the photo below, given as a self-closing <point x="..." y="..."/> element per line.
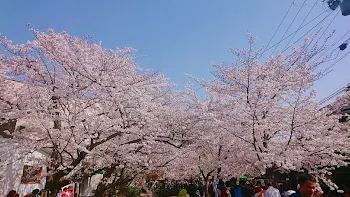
<point x="175" y="36"/>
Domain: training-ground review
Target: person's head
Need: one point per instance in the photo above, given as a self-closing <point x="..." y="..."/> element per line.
<point x="11" y="193"/>
<point x="307" y="185"/>
<point x="233" y="180"/>
<point x="242" y="182"/>
<point x="36" y="191"/>
<point x="228" y="184"/>
<point x="271" y="182"/>
<point x="16" y="195"/>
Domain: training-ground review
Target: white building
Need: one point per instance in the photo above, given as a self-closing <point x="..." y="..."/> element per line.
<point x="14" y="161"/>
<point x="11" y="169"/>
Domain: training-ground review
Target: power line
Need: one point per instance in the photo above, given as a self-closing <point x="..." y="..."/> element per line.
<point x="334" y="94"/>
<point x="324" y="6"/>
<point x="310" y="30"/>
<point x="329" y="24"/>
<point x="340" y="88"/>
<point x="329" y="48"/>
<point x="278" y="27"/>
<point x="337" y="55"/>
<point x="346" y="83"/>
<point x="332" y="65"/>
<point x="290" y="24"/>
<point x="294" y="32"/>
<point x="323" y="34"/>
<point x="302" y="23"/>
<point x="300" y="5"/>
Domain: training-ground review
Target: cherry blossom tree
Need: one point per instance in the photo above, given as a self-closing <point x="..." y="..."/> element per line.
<point x="269" y="113"/>
<point x="93" y="108"/>
<point x="339" y="107"/>
<point x="341" y="101"/>
<point x="89" y="107"/>
<point x="215" y="152"/>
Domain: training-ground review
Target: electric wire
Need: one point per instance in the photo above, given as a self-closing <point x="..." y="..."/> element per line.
<point x="290" y="24"/>
<point x="334" y="94"/>
<point x="340" y="88"/>
<point x="294" y="32"/>
<point x="329" y="48"/>
<point x="329" y="24"/>
<point x="274" y="34"/>
<point x="335" y="63"/>
<point x="309" y="31"/>
<point x="302" y="23"/>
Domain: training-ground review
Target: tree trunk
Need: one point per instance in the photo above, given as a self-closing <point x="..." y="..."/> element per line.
<point x="206" y="185"/>
<point x="206" y="182"/>
<point x="54" y="184"/>
<point x="113" y="188"/>
<point x="100" y="191"/>
<point x="102" y="187"/>
<point x="105" y="186"/>
<point x="219" y="167"/>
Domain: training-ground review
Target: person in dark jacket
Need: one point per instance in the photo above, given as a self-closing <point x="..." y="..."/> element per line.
<point x="246" y="192"/>
<point x="231" y="187"/>
<point x="11" y="193"/>
<point x="191" y="189"/>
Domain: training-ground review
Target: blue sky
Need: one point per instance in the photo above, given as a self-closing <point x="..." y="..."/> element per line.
<point x="176" y="36"/>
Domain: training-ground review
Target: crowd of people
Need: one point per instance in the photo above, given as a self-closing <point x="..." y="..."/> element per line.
<point x="307" y="187"/>
<point x="34" y="193"/>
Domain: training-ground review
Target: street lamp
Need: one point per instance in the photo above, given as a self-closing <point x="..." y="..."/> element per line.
<point x="333" y="4"/>
<point x="344" y="6"/>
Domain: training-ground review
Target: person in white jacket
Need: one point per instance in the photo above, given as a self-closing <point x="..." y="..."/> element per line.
<point x="271" y="190"/>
